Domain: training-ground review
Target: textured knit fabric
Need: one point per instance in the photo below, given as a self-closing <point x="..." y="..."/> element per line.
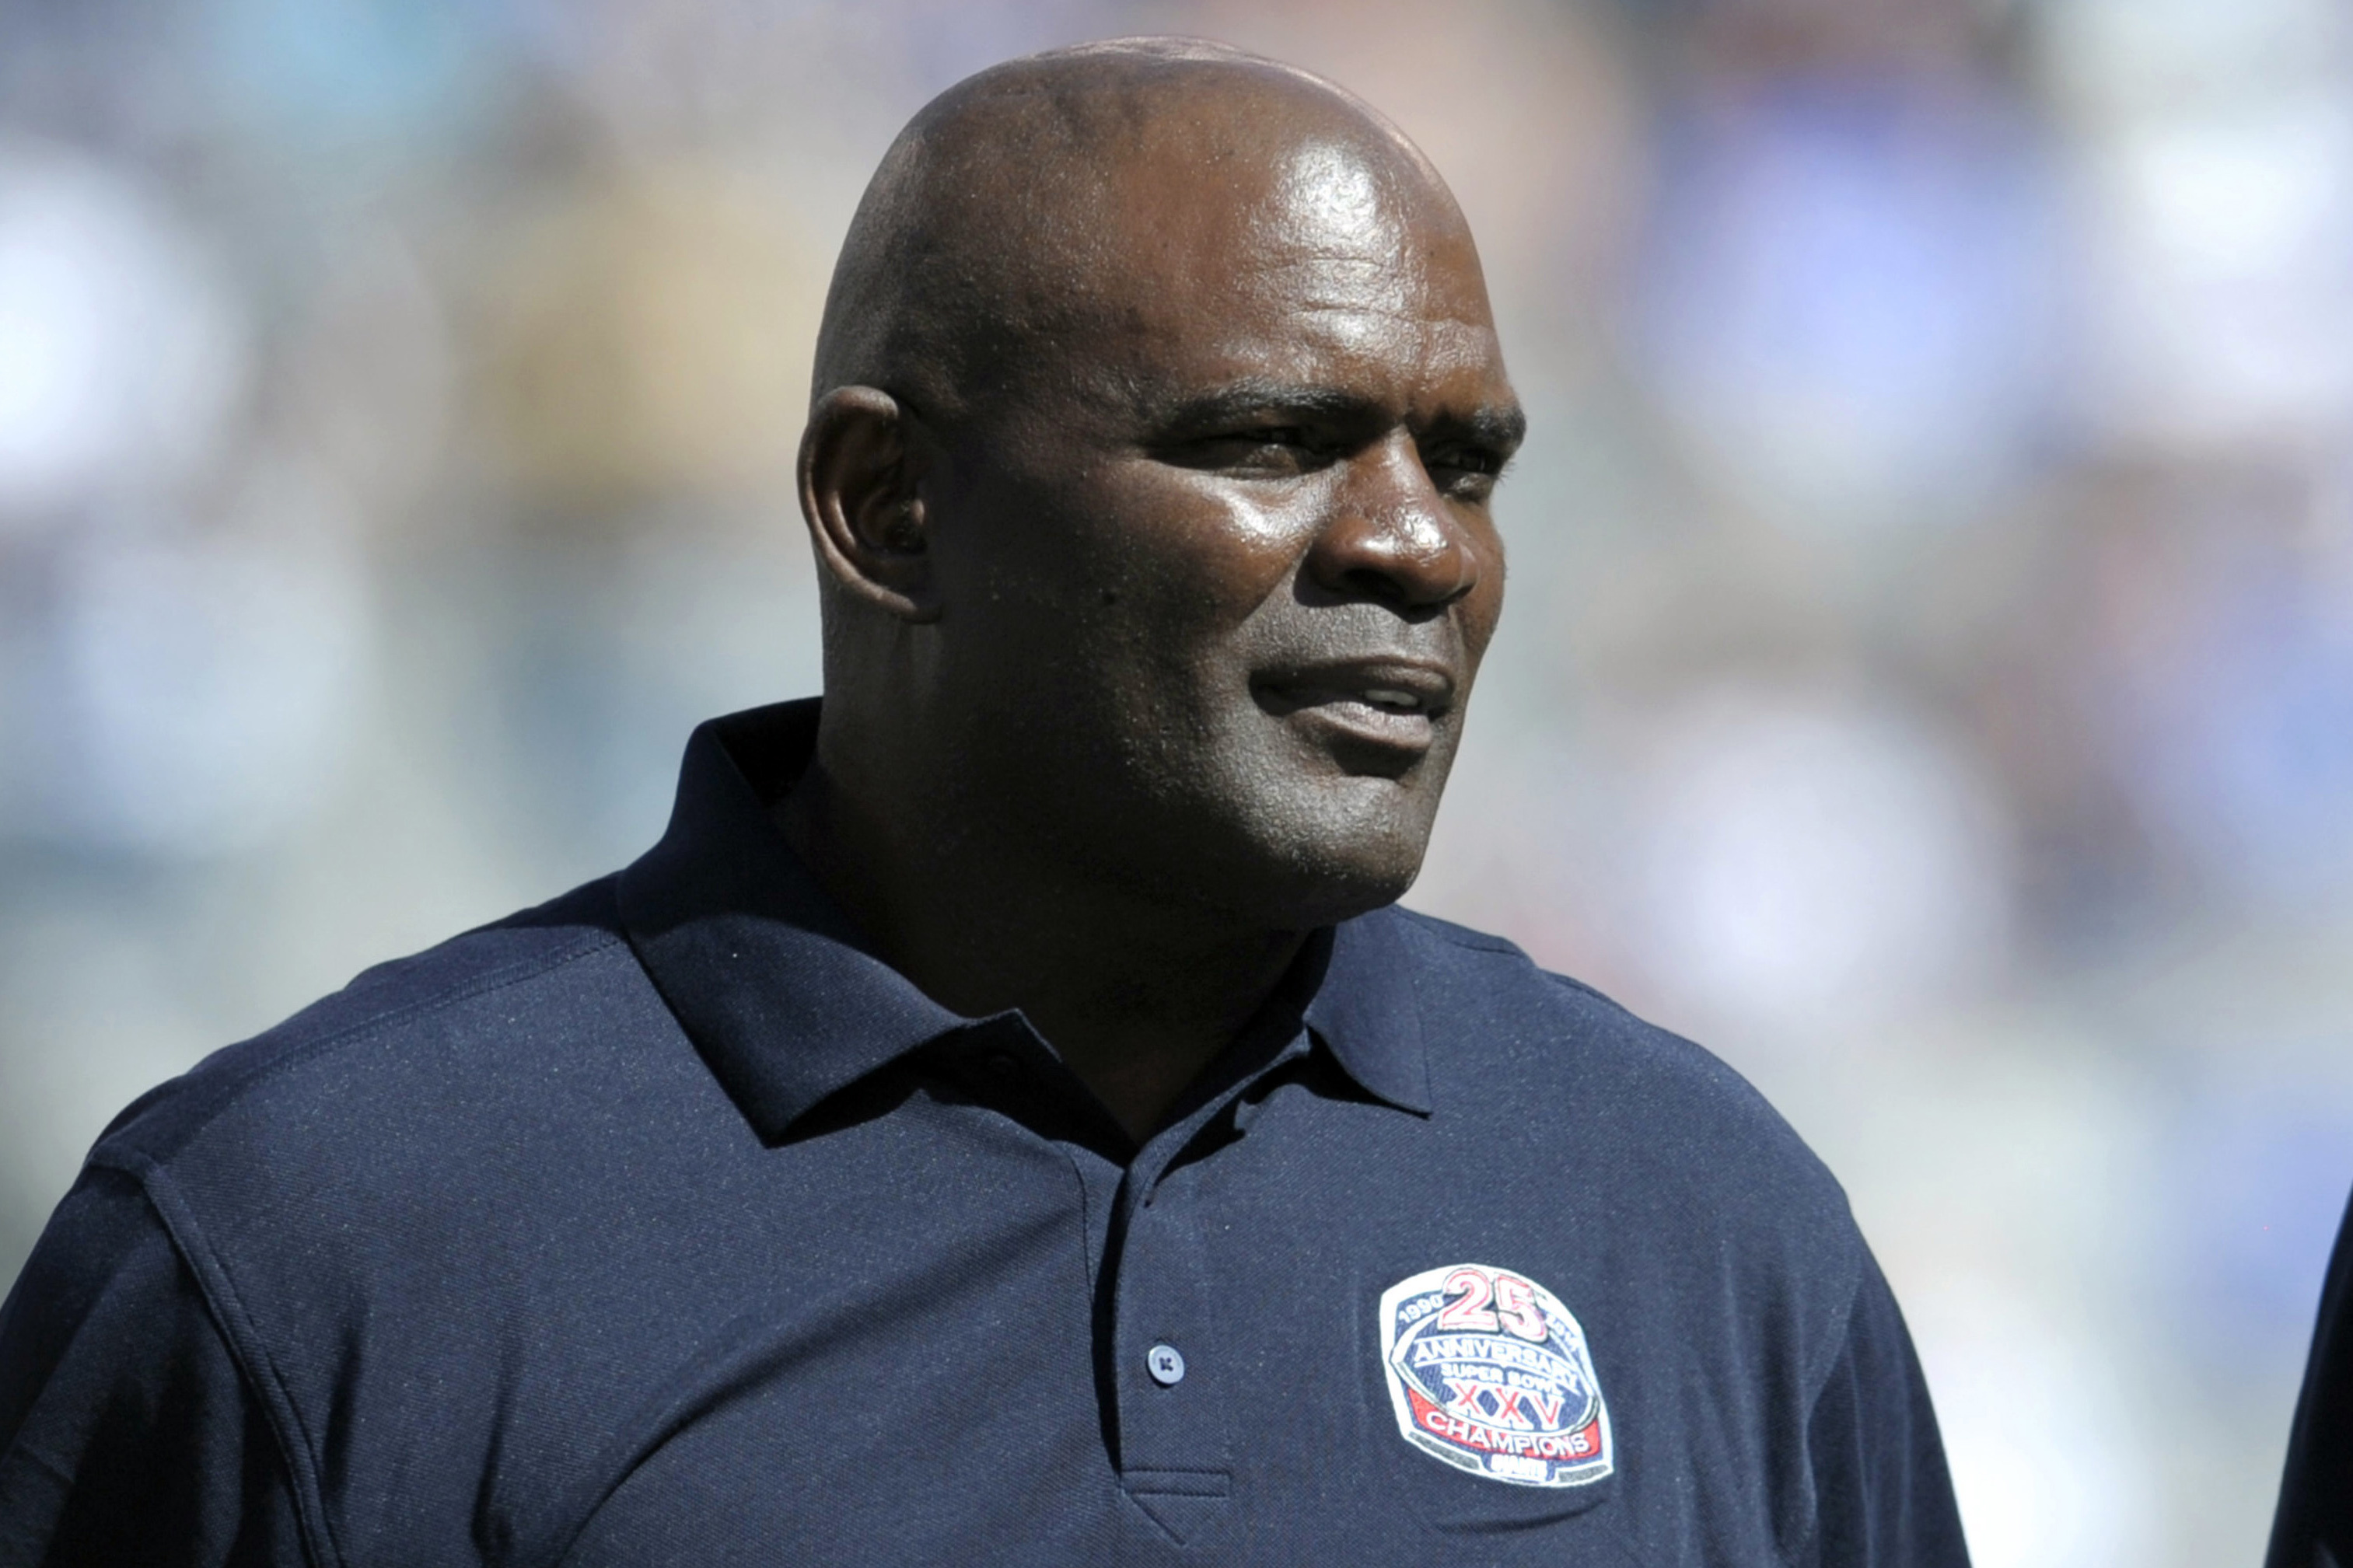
<point x="665" y="1224"/>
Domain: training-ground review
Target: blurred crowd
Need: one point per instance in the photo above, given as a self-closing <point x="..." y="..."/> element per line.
<point x="1927" y="677"/>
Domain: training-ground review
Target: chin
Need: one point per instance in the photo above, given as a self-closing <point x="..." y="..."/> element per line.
<point x="1303" y="870"/>
<point x="1329" y="899"/>
<point x="1275" y="836"/>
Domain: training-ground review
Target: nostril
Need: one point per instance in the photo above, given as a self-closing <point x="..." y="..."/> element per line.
<point x="1412" y="581"/>
<point x="1407" y="559"/>
<point x="1385" y="588"/>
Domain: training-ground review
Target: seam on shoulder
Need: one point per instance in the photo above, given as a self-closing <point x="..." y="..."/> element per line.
<point x="237" y="1329"/>
<point x="1458" y="935"/>
<point x="1574" y="983"/>
<point x="498" y="979"/>
<point x="245" y="1348"/>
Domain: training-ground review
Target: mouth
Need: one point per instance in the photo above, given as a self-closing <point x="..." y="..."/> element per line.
<point x="1388" y="707"/>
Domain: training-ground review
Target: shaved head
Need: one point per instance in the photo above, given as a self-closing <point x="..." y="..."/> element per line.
<point x="1158" y="409"/>
<point x="1022" y="210"/>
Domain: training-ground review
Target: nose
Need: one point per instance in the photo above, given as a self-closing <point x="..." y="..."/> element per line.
<point x="1391" y="539"/>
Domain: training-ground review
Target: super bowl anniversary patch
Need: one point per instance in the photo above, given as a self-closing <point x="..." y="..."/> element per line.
<point x="1488" y="1372"/>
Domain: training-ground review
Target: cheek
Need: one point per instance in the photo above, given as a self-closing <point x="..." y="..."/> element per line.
<point x="1483" y="608"/>
<point x="1173" y="552"/>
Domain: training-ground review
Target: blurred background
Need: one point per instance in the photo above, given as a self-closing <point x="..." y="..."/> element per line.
<point x="1928" y="676"/>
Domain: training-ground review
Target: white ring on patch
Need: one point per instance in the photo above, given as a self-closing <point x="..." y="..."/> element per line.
<point x="1488" y="1372"/>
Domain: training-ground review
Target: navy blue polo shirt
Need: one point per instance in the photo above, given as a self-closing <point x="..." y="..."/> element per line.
<point x="665" y="1223"/>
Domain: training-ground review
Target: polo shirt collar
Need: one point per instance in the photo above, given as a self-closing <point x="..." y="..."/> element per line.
<point x="787" y="1003"/>
<point x="1367" y="1013"/>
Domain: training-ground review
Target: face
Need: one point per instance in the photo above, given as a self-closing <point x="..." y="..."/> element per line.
<point x="1219" y="576"/>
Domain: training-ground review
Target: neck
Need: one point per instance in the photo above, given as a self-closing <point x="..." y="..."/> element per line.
<point x="1136" y="997"/>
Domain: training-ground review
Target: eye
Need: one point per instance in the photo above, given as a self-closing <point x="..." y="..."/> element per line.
<point x="1271" y="450"/>
<point x="1463" y="473"/>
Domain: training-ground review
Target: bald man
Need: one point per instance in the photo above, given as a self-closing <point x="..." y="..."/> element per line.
<point x="1005" y="1119"/>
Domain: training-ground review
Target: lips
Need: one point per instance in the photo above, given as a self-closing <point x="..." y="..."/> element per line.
<point x="1387" y="704"/>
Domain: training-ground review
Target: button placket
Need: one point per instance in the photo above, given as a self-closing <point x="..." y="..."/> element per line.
<point x="1175" y="1457"/>
<point x="1173" y="1432"/>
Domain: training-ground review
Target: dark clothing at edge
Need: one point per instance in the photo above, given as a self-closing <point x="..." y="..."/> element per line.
<point x="2314" y="1526"/>
<point x="664" y="1224"/>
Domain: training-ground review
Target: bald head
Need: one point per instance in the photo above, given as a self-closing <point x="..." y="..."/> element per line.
<point x="1158" y="406"/>
<point x="1035" y="218"/>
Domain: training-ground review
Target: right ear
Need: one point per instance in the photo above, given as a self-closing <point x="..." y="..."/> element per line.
<point x="860" y="467"/>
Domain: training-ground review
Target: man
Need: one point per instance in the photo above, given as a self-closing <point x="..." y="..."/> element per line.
<point x="2313" y="1525"/>
<point x="1003" y="1120"/>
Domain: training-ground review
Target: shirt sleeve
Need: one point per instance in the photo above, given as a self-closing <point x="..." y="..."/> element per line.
<point x="1881" y="1494"/>
<point x="127" y="1432"/>
<point x="2313" y="1525"/>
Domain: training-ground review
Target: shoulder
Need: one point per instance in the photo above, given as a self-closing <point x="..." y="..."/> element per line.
<point x="1658" y="1120"/>
<point x="410" y="1138"/>
<point x="371" y="1196"/>
<point x="114" y="1373"/>
<point x="451" y="1020"/>
<point x="1490" y="997"/>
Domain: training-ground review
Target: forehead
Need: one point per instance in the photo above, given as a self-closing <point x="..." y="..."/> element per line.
<point x="1337" y="260"/>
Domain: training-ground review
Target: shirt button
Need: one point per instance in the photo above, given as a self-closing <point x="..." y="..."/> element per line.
<point x="1004" y="1066"/>
<point x="1167" y="1368"/>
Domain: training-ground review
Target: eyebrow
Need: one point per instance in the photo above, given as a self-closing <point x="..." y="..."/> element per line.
<point x="1500" y="426"/>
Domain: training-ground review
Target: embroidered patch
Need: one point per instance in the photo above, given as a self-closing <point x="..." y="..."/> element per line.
<point x="1488" y="1372"/>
